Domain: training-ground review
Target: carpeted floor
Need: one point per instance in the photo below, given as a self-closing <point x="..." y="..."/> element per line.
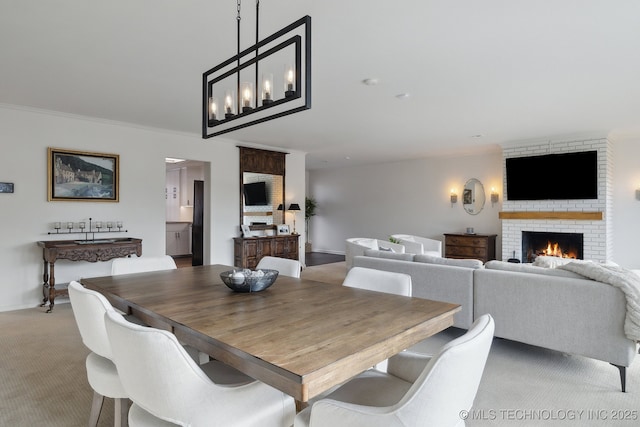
<point x="43" y="378"/>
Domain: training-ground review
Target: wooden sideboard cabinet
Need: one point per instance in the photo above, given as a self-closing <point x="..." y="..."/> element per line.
<point x="79" y="250"/>
<point x="475" y="246"/>
<point x="248" y="251"/>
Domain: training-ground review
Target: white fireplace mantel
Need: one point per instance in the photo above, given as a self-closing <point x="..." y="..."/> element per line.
<point x="550" y="215"/>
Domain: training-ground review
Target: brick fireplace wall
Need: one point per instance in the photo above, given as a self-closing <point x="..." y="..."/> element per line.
<point x="598" y="234"/>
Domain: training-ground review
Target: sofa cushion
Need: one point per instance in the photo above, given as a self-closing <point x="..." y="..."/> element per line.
<point x="550" y="261"/>
<point x="385" y="248"/>
<point x="468" y="263"/>
<point x="388" y="254"/>
<point x="529" y="268"/>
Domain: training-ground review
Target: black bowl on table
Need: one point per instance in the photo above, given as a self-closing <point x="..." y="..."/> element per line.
<point x="249" y="281"/>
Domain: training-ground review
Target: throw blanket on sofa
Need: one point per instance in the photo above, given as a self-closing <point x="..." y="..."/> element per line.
<point x="627" y="281"/>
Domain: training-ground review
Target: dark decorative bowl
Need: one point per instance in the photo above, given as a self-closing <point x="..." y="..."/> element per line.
<point x="249" y="281"/>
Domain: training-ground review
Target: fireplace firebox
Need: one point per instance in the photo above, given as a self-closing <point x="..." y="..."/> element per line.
<point x="563" y="245"/>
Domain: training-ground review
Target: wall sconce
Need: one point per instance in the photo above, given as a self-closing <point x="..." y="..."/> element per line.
<point x="637" y="193"/>
<point x="494" y="196"/>
<point x="454" y="197"/>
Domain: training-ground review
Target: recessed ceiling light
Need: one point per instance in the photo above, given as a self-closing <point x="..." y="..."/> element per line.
<point x="371" y="81"/>
<point x="402" y="96"/>
<point x="172" y="160"/>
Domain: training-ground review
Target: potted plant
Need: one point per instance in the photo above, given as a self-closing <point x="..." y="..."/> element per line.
<point x="310" y="205"/>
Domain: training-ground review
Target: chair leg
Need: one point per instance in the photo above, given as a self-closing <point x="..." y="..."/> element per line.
<point x="121" y="412"/>
<point x="96" y="407"/>
<point x="623" y="376"/>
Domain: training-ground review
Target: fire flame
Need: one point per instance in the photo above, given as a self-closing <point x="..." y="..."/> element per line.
<point x="554" y="249"/>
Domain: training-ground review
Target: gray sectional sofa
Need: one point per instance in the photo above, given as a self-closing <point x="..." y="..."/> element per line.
<point x="545" y="307"/>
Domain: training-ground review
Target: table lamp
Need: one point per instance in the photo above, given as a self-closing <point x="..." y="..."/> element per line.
<point x="294" y="207"/>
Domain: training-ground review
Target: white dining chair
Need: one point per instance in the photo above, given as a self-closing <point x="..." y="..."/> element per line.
<point x="168" y="388"/>
<point x="146" y="264"/>
<point x="284" y="266"/>
<point x="88" y="310"/>
<point x="378" y="280"/>
<point x="417" y="390"/>
<point x="419" y="245"/>
<point x="142" y="264"/>
<point x="381" y="281"/>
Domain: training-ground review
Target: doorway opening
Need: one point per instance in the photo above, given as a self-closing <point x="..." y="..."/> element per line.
<point x="186" y="224"/>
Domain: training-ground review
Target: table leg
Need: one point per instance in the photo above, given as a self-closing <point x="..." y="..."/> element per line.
<point x="300" y="405"/>
<point x="52" y="287"/>
<point x="45" y="284"/>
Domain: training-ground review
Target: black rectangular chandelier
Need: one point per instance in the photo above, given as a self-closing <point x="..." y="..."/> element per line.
<point x="242" y="91"/>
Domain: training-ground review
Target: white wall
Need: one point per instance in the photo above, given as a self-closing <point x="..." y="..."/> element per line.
<point x="410" y="197"/>
<point x="626" y="208"/>
<point x="27" y="216"/>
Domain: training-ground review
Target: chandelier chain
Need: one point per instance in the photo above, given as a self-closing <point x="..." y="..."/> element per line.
<point x="238" y="18"/>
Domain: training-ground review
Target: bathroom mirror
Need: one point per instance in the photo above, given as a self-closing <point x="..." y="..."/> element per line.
<point x="262" y="175"/>
<point x="473" y="196"/>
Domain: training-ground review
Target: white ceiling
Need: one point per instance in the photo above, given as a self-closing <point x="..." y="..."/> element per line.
<point x="507" y="70"/>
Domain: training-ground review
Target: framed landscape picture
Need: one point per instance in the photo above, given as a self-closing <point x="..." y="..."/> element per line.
<point x="82" y="176"/>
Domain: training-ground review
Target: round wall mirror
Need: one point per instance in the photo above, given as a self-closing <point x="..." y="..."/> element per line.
<point x="473" y="196"/>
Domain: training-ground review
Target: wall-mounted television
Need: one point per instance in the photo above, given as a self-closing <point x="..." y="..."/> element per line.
<point x="562" y="176"/>
<point x="255" y="194"/>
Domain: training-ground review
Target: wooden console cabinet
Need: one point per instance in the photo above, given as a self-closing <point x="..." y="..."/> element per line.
<point x="80" y="250"/>
<point x="475" y="246"/>
<point x="248" y="251"/>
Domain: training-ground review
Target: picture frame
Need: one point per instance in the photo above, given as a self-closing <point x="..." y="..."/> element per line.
<point x="283" y="230"/>
<point x="6" y="187"/>
<point x="246" y="231"/>
<point x="82" y="176"/>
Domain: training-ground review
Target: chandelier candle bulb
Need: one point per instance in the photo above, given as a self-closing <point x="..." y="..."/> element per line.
<point x="267" y="88"/>
<point x="289" y="79"/>
<point x="213" y="109"/>
<point x="56" y="226"/>
<point x="247" y="96"/>
<point x="228" y="104"/>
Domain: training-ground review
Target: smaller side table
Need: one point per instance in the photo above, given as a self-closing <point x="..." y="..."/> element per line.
<point x="80" y="250"/>
<point x="475" y="246"/>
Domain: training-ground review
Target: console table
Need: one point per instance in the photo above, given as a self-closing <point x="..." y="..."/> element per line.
<point x="80" y="250"/>
<point x="476" y="246"/>
<point x="248" y="251"/>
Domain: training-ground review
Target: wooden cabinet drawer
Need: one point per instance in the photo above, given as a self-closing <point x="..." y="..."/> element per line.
<point x="465" y="251"/>
<point x="480" y="246"/>
<point x="480" y="242"/>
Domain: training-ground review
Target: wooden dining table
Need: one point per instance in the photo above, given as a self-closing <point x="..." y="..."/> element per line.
<point x="300" y="336"/>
